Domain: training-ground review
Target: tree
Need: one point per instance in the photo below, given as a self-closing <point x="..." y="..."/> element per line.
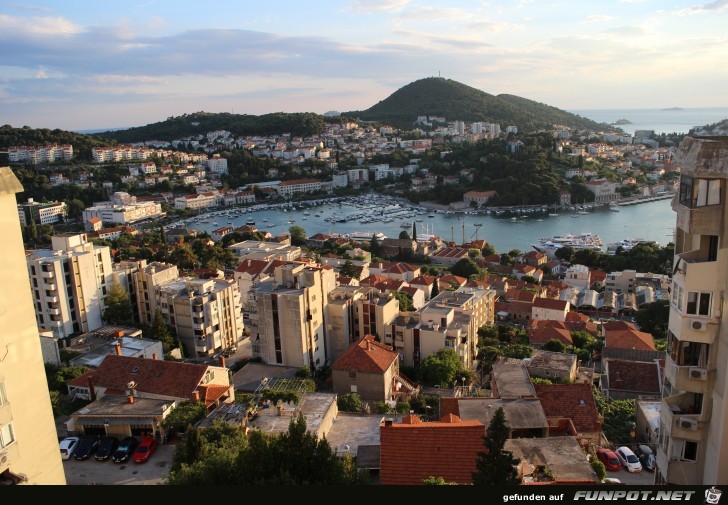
<point x="298" y="235"/>
<point x="519" y="351"/>
<point x="403" y="235"/>
<point x="349" y="269"/>
<point x="554" y="345"/>
<point x="184" y="414"/>
<point x="653" y="318"/>
<point x="374" y="246"/>
<point x="437" y="481"/>
<point x="496" y="467"/>
<point x="488" y="249"/>
<point x="74" y="208"/>
<point x="442" y="368"/>
<point x="435" y="289"/>
<point x="565" y="253"/>
<point x="118" y="305"/>
<point x="350" y="402"/>
<point x="465" y="268"/>
<point x="598" y="468"/>
<point x="161" y="332"/>
<point x="405" y="301"/>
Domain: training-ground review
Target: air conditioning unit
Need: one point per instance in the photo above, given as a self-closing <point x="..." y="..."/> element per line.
<point x="698" y="324"/>
<point x="688" y="423"/>
<point x="698" y="373"/>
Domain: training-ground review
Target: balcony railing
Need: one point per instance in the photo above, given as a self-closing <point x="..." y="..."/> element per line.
<point x="707" y="220"/>
<point x="692" y="379"/>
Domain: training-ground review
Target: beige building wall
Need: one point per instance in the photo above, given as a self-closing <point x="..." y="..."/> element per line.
<point x="29" y="447"/>
<point x="145" y="280"/>
<point x="692" y="442"/>
<point x="370" y="386"/>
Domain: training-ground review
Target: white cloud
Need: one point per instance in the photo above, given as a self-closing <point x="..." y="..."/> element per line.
<point x="437" y="13"/>
<point x="39" y="25"/>
<point x="597" y="18"/>
<point x="370" y="6"/>
<point x="716" y="6"/>
<point x="40" y="74"/>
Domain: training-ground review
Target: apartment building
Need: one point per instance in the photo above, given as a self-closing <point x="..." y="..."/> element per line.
<point x="448" y="321"/>
<point x="40" y="154"/>
<point x="197" y="201"/>
<point x="692" y="446"/>
<point x="69" y="283"/>
<point x="287" y="321"/>
<point x="28" y="439"/>
<point x="123" y="209"/>
<point x="205" y="313"/>
<point x="41" y="213"/>
<point x="288" y="188"/>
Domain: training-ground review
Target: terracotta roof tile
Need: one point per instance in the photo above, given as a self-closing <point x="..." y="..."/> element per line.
<point x="367" y="355"/>
<point x="629" y="339"/>
<point x="549" y="303"/>
<point x="154" y="376"/>
<point x="541" y="336"/>
<point x="412" y="451"/>
<point x="633" y="376"/>
<point x="573" y="401"/>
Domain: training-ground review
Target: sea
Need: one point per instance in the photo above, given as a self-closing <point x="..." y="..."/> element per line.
<point x="668" y="120"/>
<point x="652" y="221"/>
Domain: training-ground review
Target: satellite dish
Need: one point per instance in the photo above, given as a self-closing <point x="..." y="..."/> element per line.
<point x="346" y="447"/>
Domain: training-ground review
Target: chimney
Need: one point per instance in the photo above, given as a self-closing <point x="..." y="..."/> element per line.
<point x="130" y="399"/>
<point x="388" y="422"/>
<point x="195" y="396"/>
<point x="222" y="361"/>
<point x="154" y="356"/>
<point x="119" y="334"/>
<point x="117" y="348"/>
<point x="91" y="390"/>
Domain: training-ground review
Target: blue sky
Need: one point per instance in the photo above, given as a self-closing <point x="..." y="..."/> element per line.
<point x="77" y="64"/>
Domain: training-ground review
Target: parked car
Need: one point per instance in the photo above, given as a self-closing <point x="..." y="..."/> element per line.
<point x="610" y="460"/>
<point x="107" y="446"/>
<point x="145" y="450"/>
<point x="125" y="449"/>
<point x="629" y="459"/>
<point x="86" y="447"/>
<point x="611" y="480"/>
<point x="647" y="457"/>
<point x="68" y="446"/>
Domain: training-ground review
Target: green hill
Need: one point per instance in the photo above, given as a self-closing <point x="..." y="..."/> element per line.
<point x="436" y="96"/>
<point x="302" y="123"/>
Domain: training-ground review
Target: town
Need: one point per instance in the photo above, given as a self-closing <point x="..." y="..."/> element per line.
<point x="383" y="350"/>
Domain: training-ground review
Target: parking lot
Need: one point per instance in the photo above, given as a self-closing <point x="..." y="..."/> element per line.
<point x="643" y="478"/>
<point x="92" y="472"/>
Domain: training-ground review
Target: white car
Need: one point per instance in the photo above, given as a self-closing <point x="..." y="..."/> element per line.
<point x="68" y="446"/>
<point x="628" y="459"/>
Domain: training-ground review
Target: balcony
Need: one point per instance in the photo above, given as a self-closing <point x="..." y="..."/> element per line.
<point x="5" y="414"/>
<point x="47" y="275"/>
<point x="696" y="273"/>
<point x="681" y="418"/>
<point x="692" y="328"/>
<point x="692" y="379"/>
<point x="707" y="220"/>
<point x="54" y="311"/>
<point x="9" y="456"/>
<point x="53" y="299"/>
<point x="51" y="286"/>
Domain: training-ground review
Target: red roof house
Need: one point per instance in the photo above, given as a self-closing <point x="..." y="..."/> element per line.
<point x="412" y="450"/>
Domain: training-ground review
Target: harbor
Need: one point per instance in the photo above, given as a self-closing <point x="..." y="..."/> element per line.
<point x="387" y="216"/>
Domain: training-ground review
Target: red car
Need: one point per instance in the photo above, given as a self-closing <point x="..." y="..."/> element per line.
<point x="610" y="460"/>
<point x="145" y="450"/>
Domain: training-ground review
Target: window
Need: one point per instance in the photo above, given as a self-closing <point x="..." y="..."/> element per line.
<point x="684" y="450"/>
<point x="698" y="304"/>
<point x="677" y="296"/>
<point x="3" y="396"/>
<point x="7" y="436"/>
<point x="352" y="375"/>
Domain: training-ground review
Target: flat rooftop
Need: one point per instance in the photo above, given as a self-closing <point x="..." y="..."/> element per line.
<point x="520" y="414"/>
<point x="563" y="455"/>
<point x="248" y="378"/>
<point x="355" y="430"/>
<point x="313" y="406"/>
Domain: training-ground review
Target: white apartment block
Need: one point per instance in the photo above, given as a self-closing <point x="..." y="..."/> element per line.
<point x="358" y="175"/>
<point x="40" y="154"/>
<point x="217" y="165"/>
<point x="123" y="209"/>
<point x="41" y="213"/>
<point x="69" y="283"/>
<point x="692" y="443"/>
<point x="288" y="188"/>
<point x="578" y="276"/>
<point x="201" y="201"/>
<point x="121" y="153"/>
<point x="28" y="438"/>
<point x="287" y="322"/>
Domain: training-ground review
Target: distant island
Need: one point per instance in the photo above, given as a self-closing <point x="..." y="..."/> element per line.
<point x="674" y="108"/>
<point x="622" y="121"/>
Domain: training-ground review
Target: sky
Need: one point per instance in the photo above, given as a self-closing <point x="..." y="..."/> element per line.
<point x="78" y="64"/>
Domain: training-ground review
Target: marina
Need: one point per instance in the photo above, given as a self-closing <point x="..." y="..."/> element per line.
<point x="373" y="213"/>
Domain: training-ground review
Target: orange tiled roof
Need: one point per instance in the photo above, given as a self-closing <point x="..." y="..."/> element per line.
<point x="413" y="450"/>
<point x="367" y="355"/>
<point x="573" y="401"/>
<point x="166" y="378"/>
<point x="542" y="336"/>
<point x="633" y="376"/>
<point x="629" y="339"/>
